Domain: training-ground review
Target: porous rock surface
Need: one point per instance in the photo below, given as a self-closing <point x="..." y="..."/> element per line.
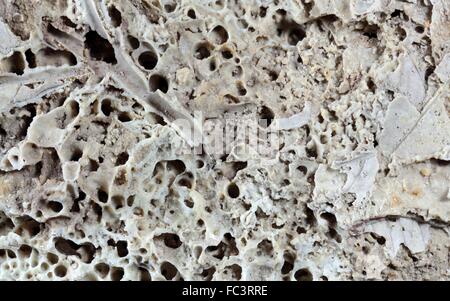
<point x="98" y="181"/>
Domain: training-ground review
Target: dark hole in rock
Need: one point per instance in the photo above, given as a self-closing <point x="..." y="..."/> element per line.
<point x="428" y="72"/>
<point x="227" y="54"/>
<point x="241" y="89"/>
<point x="134" y="43"/>
<point x="266" y="116"/>
<point x="121" y="177"/>
<point x="87" y="251"/>
<point x="55" y="31"/>
<point x="308" y="6"/>
<point x="202" y="51"/>
<point x="273" y="75"/>
<point x="66" y="246"/>
<point x="6" y="224"/>
<point x="148" y="60"/>
<point x="99" y="48"/>
<point x="55" y="206"/>
<point x="239" y="165"/>
<point x="122" y="248"/>
<point x="401" y="33"/>
<point x="330" y="218"/>
<point x="144" y="275"/>
<point x="122" y="158"/>
<point x="158" y="82"/>
<point x="73" y="109"/>
<point x="11" y="254"/>
<point x="68" y="22"/>
<point x="287" y="267"/>
<point x="266" y="247"/>
<point x="236" y="271"/>
<point x="233" y="190"/>
<point x="200" y="163"/>
<point x="440" y="162"/>
<point x="117" y="273"/>
<point x="124" y="117"/>
<point x="295" y="36"/>
<point x="396" y="13"/>
<point x="28" y="224"/>
<point x="115" y="15"/>
<point x="102" y="269"/>
<point x="185" y="183"/>
<point x="191" y="14"/>
<point x="102" y="196"/>
<point x="189" y="203"/>
<point x="371" y="31"/>
<point x="170" y="7"/>
<point x="106" y="107"/>
<point x="14" y="64"/>
<point x="54" y="57"/>
<point x="130" y="200"/>
<point x="380" y="239"/>
<point x="118" y="201"/>
<point x="208" y="273"/>
<point x="371" y="85"/>
<point x="303" y="275"/>
<point x="230" y="99"/>
<point x="25" y="251"/>
<point x="76" y="205"/>
<point x="171" y="240"/>
<point x="302" y="169"/>
<point x="52" y="258"/>
<point x="31" y="58"/>
<point x="60" y="271"/>
<point x="311" y="151"/>
<point x="219" y="35"/>
<point x="262" y="11"/>
<point x="76" y="155"/>
<point x="93" y="165"/>
<point x="176" y="166"/>
<point x="237" y="71"/>
<point x="212" y="65"/>
<point x="310" y="217"/>
<point x="158" y="119"/>
<point x="300" y="230"/>
<point x="168" y="270"/>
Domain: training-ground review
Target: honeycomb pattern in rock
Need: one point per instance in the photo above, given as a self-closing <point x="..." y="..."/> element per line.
<point x="100" y="180"/>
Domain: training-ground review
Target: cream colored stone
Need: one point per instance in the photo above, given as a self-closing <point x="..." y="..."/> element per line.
<point x="224" y="140"/>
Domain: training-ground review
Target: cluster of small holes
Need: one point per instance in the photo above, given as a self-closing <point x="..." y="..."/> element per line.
<point x="216" y="50"/>
<point x="109" y="108"/>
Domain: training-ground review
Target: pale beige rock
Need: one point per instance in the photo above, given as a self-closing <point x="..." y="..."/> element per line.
<point x="224" y="140"/>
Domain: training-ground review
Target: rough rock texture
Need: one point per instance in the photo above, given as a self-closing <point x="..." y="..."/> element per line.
<point x="112" y="114"/>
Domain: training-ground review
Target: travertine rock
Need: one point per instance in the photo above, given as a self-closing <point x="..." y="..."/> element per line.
<point x="215" y="140"/>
